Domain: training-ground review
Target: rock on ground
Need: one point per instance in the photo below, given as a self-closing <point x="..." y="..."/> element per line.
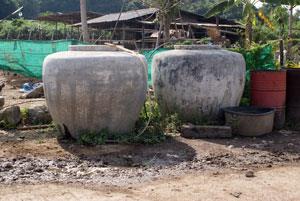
<point x="35" y="93"/>
<point x="2" y="101"/>
<point x="11" y="115"/>
<point x="39" y="115"/>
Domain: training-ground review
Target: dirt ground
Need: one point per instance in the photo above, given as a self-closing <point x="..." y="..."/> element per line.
<point x="12" y="94"/>
<point x="269" y="185"/>
<point x="42" y="165"/>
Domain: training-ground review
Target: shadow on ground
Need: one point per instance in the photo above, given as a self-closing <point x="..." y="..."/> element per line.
<point x="276" y="142"/>
<point x="168" y="153"/>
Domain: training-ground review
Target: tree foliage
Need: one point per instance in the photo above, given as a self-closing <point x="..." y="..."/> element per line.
<point x="202" y="6"/>
<point x="32" y="8"/>
<point x="248" y="11"/>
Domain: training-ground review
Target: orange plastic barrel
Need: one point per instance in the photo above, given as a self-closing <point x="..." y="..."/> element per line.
<point x="268" y="89"/>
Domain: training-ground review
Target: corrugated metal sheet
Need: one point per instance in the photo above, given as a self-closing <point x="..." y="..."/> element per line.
<point x="185" y="17"/>
<point x="124" y="16"/>
<point x="68" y="18"/>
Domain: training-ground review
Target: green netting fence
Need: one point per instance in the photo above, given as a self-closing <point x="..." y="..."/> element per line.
<point x="26" y="57"/>
<point x="260" y="57"/>
<point x="149" y="54"/>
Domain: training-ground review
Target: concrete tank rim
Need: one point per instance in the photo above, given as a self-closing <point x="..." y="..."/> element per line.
<point x="179" y="53"/>
<point x="92" y="55"/>
<point x="197" y="47"/>
<point x="93" y="48"/>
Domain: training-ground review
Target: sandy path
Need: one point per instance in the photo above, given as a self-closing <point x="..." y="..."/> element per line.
<point x="272" y="184"/>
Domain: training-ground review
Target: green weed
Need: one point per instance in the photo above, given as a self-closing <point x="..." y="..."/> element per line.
<point x="149" y="129"/>
<point x="24" y="114"/>
<point x="4" y="124"/>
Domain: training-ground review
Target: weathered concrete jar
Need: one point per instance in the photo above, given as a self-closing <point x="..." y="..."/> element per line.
<point x="92" y="88"/>
<point x="197" y="81"/>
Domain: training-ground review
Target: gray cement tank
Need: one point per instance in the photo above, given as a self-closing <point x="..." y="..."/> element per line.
<point x="197" y="81"/>
<point x="92" y="88"/>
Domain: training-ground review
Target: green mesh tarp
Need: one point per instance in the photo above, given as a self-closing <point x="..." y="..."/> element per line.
<point x="149" y="54"/>
<point x="258" y="58"/>
<point x="26" y="57"/>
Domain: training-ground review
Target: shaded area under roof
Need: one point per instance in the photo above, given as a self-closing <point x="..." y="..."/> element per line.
<point x="67" y="18"/>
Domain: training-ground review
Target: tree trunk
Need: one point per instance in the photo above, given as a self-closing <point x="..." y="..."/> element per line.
<point x="167" y="23"/>
<point x="159" y="34"/>
<point x="248" y="31"/>
<point x="281" y="50"/>
<point x="290" y="34"/>
<point x="84" y="25"/>
<point x="290" y="21"/>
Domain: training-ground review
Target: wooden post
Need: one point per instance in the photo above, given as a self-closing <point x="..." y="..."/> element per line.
<point x="290" y="33"/>
<point x="19" y="33"/>
<point x="65" y="30"/>
<point x="281" y="48"/>
<point x="290" y="21"/>
<point x="79" y="33"/>
<point x="72" y="36"/>
<point x="123" y="34"/>
<point x="29" y="37"/>
<point x="177" y="32"/>
<point x="41" y="34"/>
<point x="93" y="36"/>
<point x="143" y="36"/>
<point x="55" y="29"/>
<point x="7" y="37"/>
<point x="52" y="35"/>
<point x="190" y="31"/>
<point x="217" y="21"/>
<point x="84" y="25"/>
<point x="159" y="34"/>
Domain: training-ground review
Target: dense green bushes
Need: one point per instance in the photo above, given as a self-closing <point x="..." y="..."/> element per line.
<point x="151" y="128"/>
<point x="33" y="8"/>
<point x="35" y="30"/>
<point x="258" y="57"/>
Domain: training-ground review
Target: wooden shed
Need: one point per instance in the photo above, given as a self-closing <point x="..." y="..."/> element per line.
<point x="139" y="29"/>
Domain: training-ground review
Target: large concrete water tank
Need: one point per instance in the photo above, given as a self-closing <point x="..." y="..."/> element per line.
<point x="92" y="88"/>
<point x="197" y="81"/>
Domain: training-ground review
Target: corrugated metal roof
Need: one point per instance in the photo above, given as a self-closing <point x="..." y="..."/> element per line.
<point x="136" y="14"/>
<point x="69" y="18"/>
<point x="124" y="16"/>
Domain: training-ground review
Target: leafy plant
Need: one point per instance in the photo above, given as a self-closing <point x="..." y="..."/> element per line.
<point x="4" y="124"/>
<point x="89" y="138"/>
<point x="248" y="12"/>
<point x="24" y="114"/>
<point x="149" y="129"/>
<point x="172" y="123"/>
<point x="167" y="11"/>
<point x="257" y="57"/>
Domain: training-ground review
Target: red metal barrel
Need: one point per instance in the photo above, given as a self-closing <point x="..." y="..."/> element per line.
<point x="293" y="95"/>
<point x="268" y="89"/>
